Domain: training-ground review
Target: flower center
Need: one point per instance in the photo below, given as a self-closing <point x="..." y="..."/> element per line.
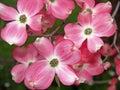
<point x="23" y="18"/>
<point x="54" y="62"/>
<point x="89" y="10"/>
<point x="51" y="1"/>
<point x="88" y="31"/>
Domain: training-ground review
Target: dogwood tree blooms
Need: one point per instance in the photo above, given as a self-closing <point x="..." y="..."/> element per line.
<point x="55" y="62"/>
<point x="71" y="53"/>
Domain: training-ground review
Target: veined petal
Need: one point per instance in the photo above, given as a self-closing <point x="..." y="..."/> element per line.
<point x="13" y="33"/>
<point x="95" y="67"/>
<point x="85" y="18"/>
<point x="83" y="76"/>
<point x="67" y="52"/>
<point x="25" y="54"/>
<point x="44" y="47"/>
<point x="66" y="75"/>
<point x="18" y="73"/>
<point x="35" y="23"/>
<point x="39" y="75"/>
<point x="103" y="8"/>
<point x="7" y="13"/>
<point x="31" y="7"/>
<point x="62" y="6"/>
<point x="94" y="44"/>
<point x="73" y="32"/>
<point x="104" y="26"/>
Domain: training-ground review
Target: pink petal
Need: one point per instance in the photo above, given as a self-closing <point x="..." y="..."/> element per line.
<point x="44" y="47"/>
<point x="35" y="23"/>
<point x="95" y="67"/>
<point x="25" y="54"/>
<point x="13" y="33"/>
<point x="62" y="6"/>
<point x="85" y="18"/>
<point x="94" y="44"/>
<point x="104" y="26"/>
<point x="83" y="76"/>
<point x="7" y="13"/>
<point x="66" y="75"/>
<point x="103" y="8"/>
<point x="67" y="52"/>
<point x="89" y="3"/>
<point x="118" y="69"/>
<point x="18" y="72"/>
<point x="31" y="7"/>
<point x="73" y="32"/>
<point x="39" y="76"/>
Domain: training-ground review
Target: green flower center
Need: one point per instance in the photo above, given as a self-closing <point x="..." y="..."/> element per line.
<point x="23" y="18"/>
<point x="54" y="62"/>
<point x="89" y="10"/>
<point x="88" y="31"/>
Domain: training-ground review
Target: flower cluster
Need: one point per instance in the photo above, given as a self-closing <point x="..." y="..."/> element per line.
<point x="72" y="58"/>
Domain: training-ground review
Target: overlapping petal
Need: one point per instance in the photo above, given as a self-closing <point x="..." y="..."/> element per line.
<point x="67" y="52"/>
<point x="25" y="54"/>
<point x="44" y="47"/>
<point x="94" y="44"/>
<point x="36" y="24"/>
<point x="66" y="75"/>
<point x="39" y="75"/>
<point x="18" y="73"/>
<point x="73" y="32"/>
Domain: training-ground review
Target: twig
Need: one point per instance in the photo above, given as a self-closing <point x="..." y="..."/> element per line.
<point x="55" y="31"/>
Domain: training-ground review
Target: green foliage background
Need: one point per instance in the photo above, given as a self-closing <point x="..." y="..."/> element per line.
<point x="7" y="61"/>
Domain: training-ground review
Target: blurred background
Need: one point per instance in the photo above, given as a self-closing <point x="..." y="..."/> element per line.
<point x="7" y="61"/>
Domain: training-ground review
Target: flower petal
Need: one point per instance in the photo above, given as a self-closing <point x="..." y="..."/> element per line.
<point x="39" y="75"/>
<point x="35" y="23"/>
<point x="7" y="13"/>
<point x="18" y="73"/>
<point x="103" y="8"/>
<point x="62" y="6"/>
<point x="67" y="52"/>
<point x="104" y="26"/>
<point x="95" y="67"/>
<point x="85" y="18"/>
<point x="14" y="33"/>
<point x="89" y="3"/>
<point x="66" y="75"/>
<point x="44" y="47"/>
<point x="31" y="7"/>
<point x="25" y="54"/>
<point x="94" y="44"/>
<point x="73" y="32"/>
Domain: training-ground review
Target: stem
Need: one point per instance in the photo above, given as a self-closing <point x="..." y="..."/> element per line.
<point x="115" y="36"/>
<point x="101" y="82"/>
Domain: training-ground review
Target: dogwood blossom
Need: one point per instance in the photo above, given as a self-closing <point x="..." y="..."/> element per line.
<point x="55" y="62"/>
<point x="90" y="29"/>
<point x="25" y="56"/>
<point x="15" y="31"/>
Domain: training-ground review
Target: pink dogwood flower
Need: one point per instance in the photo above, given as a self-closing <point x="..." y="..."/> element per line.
<point x="55" y="62"/>
<point x="100" y="8"/>
<point x="25" y="56"/>
<point x="60" y="8"/>
<point x="15" y="31"/>
<point x="90" y="29"/>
